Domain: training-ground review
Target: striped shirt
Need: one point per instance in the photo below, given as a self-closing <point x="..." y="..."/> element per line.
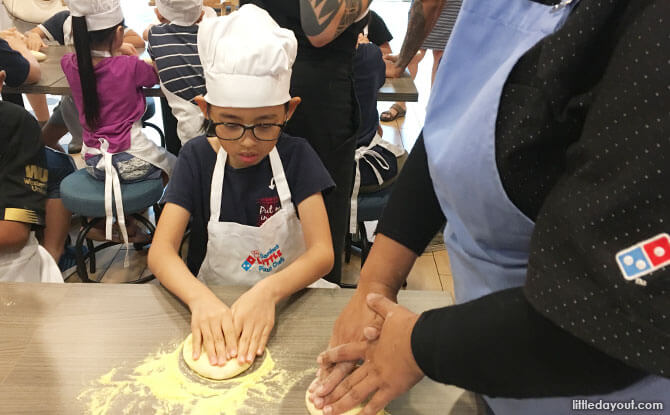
<point x="439" y="36"/>
<point x="175" y="51"/>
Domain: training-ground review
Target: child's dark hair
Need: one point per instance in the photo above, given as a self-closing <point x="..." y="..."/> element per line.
<point x="83" y="40"/>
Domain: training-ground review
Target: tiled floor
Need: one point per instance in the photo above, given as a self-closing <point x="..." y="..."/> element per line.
<point x="431" y="271"/>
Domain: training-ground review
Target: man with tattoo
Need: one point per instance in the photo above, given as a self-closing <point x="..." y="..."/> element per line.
<point x="327" y="32"/>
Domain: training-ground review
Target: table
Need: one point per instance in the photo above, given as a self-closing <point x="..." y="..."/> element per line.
<point x="53" y="81"/>
<point x="57" y="339"/>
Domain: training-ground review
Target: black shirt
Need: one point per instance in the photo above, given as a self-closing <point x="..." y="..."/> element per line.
<point x="581" y="148"/>
<point x="53" y="26"/>
<point x="249" y="195"/>
<point x="378" y="33"/>
<point x="23" y="169"/>
<point x="287" y="14"/>
<point x="14" y="64"/>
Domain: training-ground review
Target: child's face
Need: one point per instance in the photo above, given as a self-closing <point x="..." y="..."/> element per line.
<point x="249" y="150"/>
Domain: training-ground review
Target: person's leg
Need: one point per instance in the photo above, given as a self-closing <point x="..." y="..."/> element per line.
<point x="329" y="118"/>
<point x="399" y="108"/>
<point x="70" y="117"/>
<point x="57" y="215"/>
<point x="437" y="57"/>
<point x="54" y="130"/>
<point x="38" y="102"/>
<point x="57" y="227"/>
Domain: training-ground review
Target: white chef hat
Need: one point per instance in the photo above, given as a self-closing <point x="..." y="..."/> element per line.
<point x="100" y="14"/>
<point x="247" y="59"/>
<point x="180" y="12"/>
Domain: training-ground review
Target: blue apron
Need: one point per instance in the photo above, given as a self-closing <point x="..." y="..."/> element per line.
<point x="487" y="236"/>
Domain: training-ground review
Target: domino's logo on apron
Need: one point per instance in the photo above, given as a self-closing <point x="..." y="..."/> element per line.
<point x="266" y="262"/>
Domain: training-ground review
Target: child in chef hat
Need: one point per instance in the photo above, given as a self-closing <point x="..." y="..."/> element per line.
<point x="107" y="90"/>
<point x="239" y="187"/>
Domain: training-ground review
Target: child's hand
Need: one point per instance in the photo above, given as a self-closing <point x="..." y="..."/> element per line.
<point x="254" y="317"/>
<point x="128" y="49"/>
<point x="212" y="327"/>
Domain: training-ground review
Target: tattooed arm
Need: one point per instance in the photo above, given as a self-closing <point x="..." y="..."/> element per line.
<point x="324" y="20"/>
<point x="422" y="17"/>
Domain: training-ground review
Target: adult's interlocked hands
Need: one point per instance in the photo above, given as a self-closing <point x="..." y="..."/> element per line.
<point x="388" y="368"/>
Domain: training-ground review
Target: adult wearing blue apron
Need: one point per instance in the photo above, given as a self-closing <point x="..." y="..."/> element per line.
<point x="488" y="236"/>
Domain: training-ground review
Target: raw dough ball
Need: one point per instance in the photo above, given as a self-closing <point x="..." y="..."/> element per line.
<point x="313" y="411"/>
<point x="39" y="55"/>
<point x="202" y="366"/>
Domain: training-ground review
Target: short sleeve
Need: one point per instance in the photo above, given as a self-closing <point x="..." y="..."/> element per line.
<point x="603" y="223"/>
<point x="151" y="42"/>
<point x="53" y="26"/>
<point x="23" y="169"/>
<point x="306" y="175"/>
<point x="183" y="180"/>
<point x="14" y="64"/>
<point x="145" y="74"/>
<point x="378" y="33"/>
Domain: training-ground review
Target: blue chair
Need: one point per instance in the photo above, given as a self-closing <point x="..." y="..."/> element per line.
<point x="370" y="208"/>
<point x="84" y="195"/>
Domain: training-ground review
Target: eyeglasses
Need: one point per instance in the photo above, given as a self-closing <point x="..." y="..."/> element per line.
<point x="231" y="131"/>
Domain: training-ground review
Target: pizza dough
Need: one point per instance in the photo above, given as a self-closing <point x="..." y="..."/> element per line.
<point x="313" y="411"/>
<point x="39" y="55"/>
<point x="202" y="366"/>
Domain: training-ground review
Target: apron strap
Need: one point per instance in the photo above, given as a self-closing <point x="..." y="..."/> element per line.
<point x="216" y="193"/>
<point x="280" y="178"/>
<point x="113" y="193"/>
<point x="361" y="152"/>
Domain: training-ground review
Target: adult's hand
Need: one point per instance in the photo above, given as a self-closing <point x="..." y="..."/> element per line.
<point x="389" y="369"/>
<point x="392" y="68"/>
<point x="349" y="328"/>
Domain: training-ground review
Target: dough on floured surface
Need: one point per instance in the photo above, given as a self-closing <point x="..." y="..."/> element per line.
<point x="202" y="366"/>
<point x="39" y="55"/>
<point x="354" y="411"/>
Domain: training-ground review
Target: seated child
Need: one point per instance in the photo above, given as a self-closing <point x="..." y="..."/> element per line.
<point x="239" y="187"/>
<point x="58" y="29"/>
<point x="107" y="90"/>
<point x="377" y="161"/>
<point x="23" y="188"/>
<point x="173" y="47"/>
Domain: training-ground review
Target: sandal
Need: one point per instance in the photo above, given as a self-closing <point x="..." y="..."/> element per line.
<point x="390" y="115"/>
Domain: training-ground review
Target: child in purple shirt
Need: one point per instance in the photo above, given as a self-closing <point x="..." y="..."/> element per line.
<point x="107" y="91"/>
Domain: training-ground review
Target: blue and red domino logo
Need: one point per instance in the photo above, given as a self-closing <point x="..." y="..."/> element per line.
<point x="644" y="257"/>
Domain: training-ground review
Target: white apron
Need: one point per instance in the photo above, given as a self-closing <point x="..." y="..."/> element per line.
<point x="188" y="115"/>
<point x="140" y="147"/>
<point x="33" y="263"/>
<point x="376" y="162"/>
<point x="243" y="255"/>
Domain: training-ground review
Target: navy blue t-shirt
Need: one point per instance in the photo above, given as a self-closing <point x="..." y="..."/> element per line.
<point x="53" y="26"/>
<point x="249" y="194"/>
<point x="14" y="64"/>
